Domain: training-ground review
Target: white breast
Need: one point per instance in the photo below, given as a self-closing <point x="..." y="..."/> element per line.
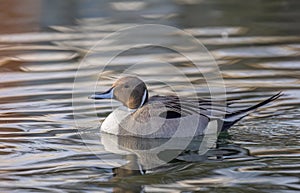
<point x="112" y="122"/>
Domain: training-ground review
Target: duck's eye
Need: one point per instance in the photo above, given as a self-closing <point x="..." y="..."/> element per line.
<point x="126" y="86"/>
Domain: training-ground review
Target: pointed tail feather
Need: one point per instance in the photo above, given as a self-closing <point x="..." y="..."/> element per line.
<point x="232" y="118"/>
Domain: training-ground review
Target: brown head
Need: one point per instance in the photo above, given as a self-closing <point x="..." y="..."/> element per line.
<point x="130" y="90"/>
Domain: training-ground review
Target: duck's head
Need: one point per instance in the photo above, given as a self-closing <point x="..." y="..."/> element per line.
<point x="130" y="90"/>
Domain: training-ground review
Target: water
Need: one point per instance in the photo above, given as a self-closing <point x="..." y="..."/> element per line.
<point x="256" y="45"/>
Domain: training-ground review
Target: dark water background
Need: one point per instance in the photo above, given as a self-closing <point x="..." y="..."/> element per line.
<point x="257" y="47"/>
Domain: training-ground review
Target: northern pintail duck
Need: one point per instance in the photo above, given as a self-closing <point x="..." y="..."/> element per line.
<point x="165" y="116"/>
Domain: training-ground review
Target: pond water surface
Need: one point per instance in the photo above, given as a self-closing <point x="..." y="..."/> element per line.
<point x="256" y="45"/>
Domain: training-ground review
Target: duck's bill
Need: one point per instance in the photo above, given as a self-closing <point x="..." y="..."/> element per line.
<point x="105" y="95"/>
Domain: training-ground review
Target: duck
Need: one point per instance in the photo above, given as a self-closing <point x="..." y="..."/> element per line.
<point x="166" y="116"/>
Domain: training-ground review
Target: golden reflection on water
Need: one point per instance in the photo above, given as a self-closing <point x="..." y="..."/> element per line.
<point x="14" y="20"/>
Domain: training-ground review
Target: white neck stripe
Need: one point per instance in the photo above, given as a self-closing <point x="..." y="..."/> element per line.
<point x="144" y="98"/>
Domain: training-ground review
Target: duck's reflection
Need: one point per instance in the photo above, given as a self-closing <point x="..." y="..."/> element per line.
<point x="144" y="155"/>
<point x="150" y="153"/>
<point x="125" y="171"/>
<point x="147" y="154"/>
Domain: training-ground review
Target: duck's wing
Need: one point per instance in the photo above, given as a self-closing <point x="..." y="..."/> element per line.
<point x="189" y="106"/>
<point x="212" y="109"/>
